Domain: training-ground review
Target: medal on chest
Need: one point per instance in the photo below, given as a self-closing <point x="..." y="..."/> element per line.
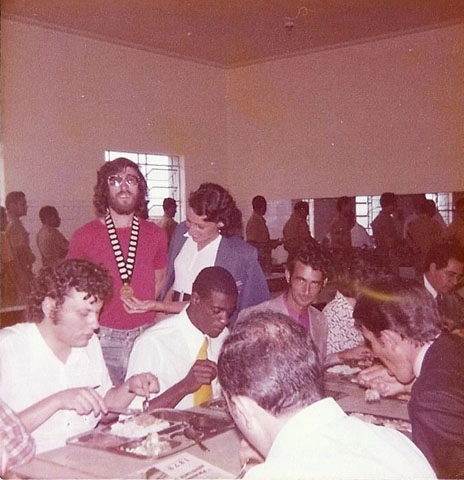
<point x="125" y="265"/>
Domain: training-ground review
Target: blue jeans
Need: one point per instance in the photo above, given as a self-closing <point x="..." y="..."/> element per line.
<point x="117" y="346"/>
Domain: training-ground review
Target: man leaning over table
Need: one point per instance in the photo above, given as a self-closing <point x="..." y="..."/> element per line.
<point x="400" y="320"/>
<point x="52" y="371"/>
<point x="272" y="379"/>
<point x="171" y="348"/>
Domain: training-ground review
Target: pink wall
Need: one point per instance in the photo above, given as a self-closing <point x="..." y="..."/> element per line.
<point x="387" y="115"/>
<point x="67" y="99"/>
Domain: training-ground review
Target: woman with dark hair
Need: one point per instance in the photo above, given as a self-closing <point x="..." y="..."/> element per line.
<point x="209" y="237"/>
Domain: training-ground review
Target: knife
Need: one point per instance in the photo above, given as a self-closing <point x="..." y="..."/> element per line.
<point x="125" y="411"/>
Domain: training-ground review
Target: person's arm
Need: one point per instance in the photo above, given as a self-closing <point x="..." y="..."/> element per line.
<point x="202" y="372"/>
<point x="16" y="444"/>
<point x="360" y="352"/>
<point x="142" y="384"/>
<point x="160" y="278"/>
<point x="83" y="400"/>
<point x="135" y="305"/>
<point x="379" y="378"/>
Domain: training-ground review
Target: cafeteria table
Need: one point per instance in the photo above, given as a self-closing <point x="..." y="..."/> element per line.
<point x="72" y="461"/>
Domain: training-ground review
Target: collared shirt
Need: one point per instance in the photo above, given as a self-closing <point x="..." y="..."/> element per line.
<point x="30" y="372"/>
<point x="420" y="358"/>
<point x="321" y="441"/>
<point x="16" y="445"/>
<point x="191" y="261"/>
<point x="429" y="288"/>
<point x="342" y="333"/>
<point x="301" y="317"/>
<point x="169" y="349"/>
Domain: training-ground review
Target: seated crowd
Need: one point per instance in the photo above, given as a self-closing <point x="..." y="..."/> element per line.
<point x="197" y="322"/>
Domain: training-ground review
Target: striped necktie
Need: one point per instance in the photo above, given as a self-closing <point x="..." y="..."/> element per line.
<point x="205" y="392"/>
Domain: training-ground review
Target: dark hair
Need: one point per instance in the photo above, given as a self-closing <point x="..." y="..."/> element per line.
<point x="258" y="202"/>
<point x="272" y="360"/>
<point x="459" y="203"/>
<point x="101" y="189"/>
<point x="46" y="212"/>
<point x="401" y="305"/>
<point x="56" y="282"/>
<point x="343" y="201"/>
<point x="314" y="256"/>
<point x="214" y="279"/>
<point x="353" y="270"/>
<point x="218" y="205"/>
<point x="12" y="198"/>
<point x="387" y="199"/>
<point x="301" y="206"/>
<point x="440" y="253"/>
<point x="4" y="219"/>
<point x="168" y="202"/>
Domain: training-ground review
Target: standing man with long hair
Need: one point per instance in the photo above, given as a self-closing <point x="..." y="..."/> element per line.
<point x="134" y="251"/>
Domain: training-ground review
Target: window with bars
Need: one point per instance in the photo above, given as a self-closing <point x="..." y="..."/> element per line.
<point x="368" y="207"/>
<point x="165" y="178"/>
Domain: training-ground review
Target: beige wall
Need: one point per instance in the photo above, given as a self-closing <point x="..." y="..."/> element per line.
<point x="67" y="99"/>
<point x="386" y="115"/>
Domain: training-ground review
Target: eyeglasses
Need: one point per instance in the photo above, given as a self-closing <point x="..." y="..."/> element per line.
<point x="117" y="180"/>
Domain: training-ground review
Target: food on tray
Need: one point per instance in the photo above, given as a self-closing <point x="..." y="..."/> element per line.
<point x="138" y="426"/>
<point x="149" y="447"/>
<point x="395" y="423"/>
<point x="371" y="395"/>
<point x="343" y="370"/>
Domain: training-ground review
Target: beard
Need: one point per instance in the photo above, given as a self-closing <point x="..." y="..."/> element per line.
<point x="122" y="207"/>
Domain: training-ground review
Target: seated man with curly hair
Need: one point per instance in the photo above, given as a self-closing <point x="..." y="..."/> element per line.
<point x="52" y="370"/>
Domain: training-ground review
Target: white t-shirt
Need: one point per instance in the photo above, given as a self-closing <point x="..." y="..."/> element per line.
<point x="30" y="372"/>
<point x="190" y="262"/>
<point x="168" y="350"/>
<point x="322" y="442"/>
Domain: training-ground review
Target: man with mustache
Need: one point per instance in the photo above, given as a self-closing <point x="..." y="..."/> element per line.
<point x="134" y="251"/>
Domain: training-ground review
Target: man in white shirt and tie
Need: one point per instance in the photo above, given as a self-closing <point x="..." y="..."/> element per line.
<point x="175" y="347"/>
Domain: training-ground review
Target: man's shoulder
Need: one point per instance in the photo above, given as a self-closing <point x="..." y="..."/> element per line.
<point x="276" y="304"/>
<point x="89" y="228"/>
<point x="150" y="226"/>
<point x="16" y="333"/>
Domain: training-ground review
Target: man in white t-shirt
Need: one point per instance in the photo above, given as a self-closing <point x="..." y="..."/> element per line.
<point x="273" y="383"/>
<point x="170" y="348"/>
<point x="52" y="371"/>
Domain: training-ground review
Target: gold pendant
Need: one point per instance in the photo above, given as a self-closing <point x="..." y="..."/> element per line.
<point x="126" y="291"/>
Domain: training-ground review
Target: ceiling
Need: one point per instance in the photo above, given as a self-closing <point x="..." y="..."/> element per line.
<point x="231" y="33"/>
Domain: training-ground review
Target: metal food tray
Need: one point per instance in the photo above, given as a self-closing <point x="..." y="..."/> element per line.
<point x="399" y="424"/>
<point x="171" y="438"/>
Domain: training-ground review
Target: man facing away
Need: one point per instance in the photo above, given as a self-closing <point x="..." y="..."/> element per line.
<point x="52" y="244"/>
<point x="16" y="206"/>
<point x="167" y="221"/>
<point x="52" y="370"/>
<point x="134" y="251"/>
<point x="257" y="233"/>
<point x="172" y="347"/>
<point x="402" y="323"/>
<point x="273" y="383"/>
<point x="296" y="231"/>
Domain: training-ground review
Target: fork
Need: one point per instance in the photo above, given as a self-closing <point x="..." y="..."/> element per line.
<point x="145" y="404"/>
